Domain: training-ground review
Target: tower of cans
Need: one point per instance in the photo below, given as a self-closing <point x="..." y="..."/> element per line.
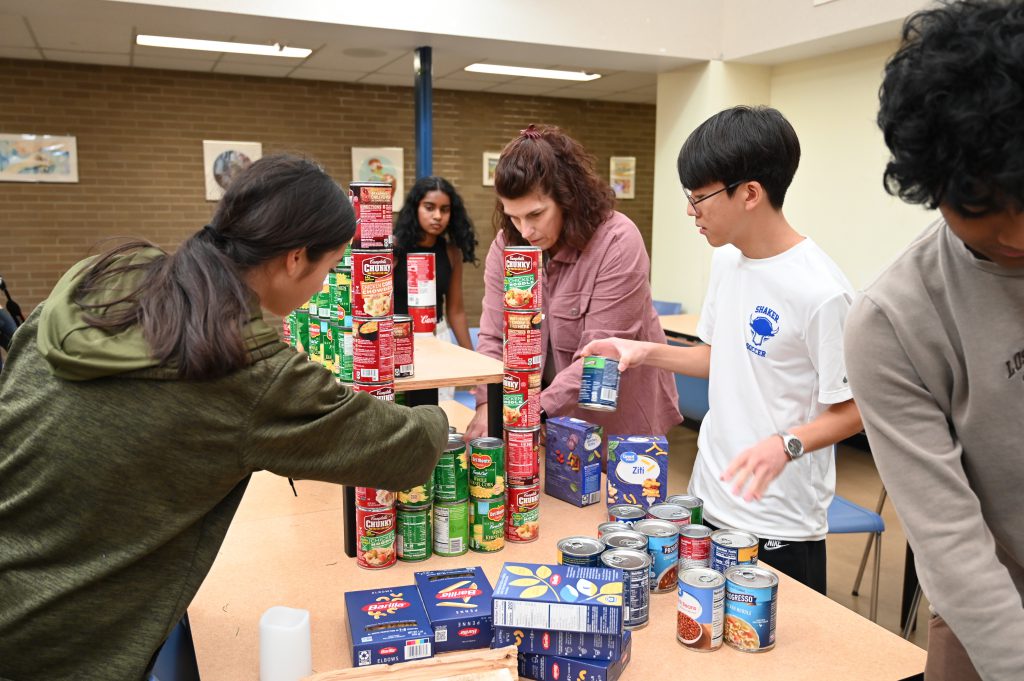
<point x="522" y="357"/>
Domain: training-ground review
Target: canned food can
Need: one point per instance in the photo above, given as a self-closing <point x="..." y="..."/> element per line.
<point x="451" y="482"/>
<point x="421" y="496"/>
<point x="302" y="324"/>
<point x="382" y="391"/>
<point x="486" y="468"/>
<point x="700" y="609"/>
<point x="287" y="325"/>
<point x="522" y="455"/>
<point x="625" y="538"/>
<point x="415" y="535"/>
<point x="343" y="296"/>
<point x="372" y="283"/>
<point x="328" y="342"/>
<point x="522" y="516"/>
<point x="695" y="504"/>
<point x="636" y="584"/>
<point x="424" y="319"/>
<point x="373" y="499"/>
<point x="375" y="538"/>
<point x="663" y="546"/>
<point x="584" y="551"/>
<point x="599" y="384"/>
<point x="611" y="526"/>
<point x="694" y="546"/>
<point x="732" y="547"/>
<point x="405" y="361"/>
<point x="522" y="346"/>
<point x="343" y="354"/>
<point x="627" y="514"/>
<point x="674" y="513"/>
<point x="451" y="528"/>
<point x="751" y="602"/>
<point x="520" y="399"/>
<point x="422" y="279"/>
<point x="315" y="348"/>
<point x="346" y="257"/>
<point x="487" y="524"/>
<point x="523" y="271"/>
<point x="373" y="350"/>
<point x="371" y="202"/>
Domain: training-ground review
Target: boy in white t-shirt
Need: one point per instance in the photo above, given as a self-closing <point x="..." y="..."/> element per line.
<point x="772" y="322"/>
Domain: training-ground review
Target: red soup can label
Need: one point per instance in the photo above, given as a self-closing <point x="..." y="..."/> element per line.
<point x="522" y="348"/>
<point x="382" y="391"/>
<point x="523" y="269"/>
<point x="373" y="499"/>
<point x="373" y="350"/>
<point x="405" y="359"/>
<point x="424" y="319"/>
<point x="371" y="202"/>
<point x="522" y="516"/>
<point x="522" y="455"/>
<point x="422" y="287"/>
<point x="372" y="283"/>
<point x="375" y="538"/>
<point x="521" y="399"/>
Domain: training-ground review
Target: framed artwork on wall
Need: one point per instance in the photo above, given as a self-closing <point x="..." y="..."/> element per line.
<point x="38" y="158"/>
<point x="490" y="163"/>
<point x="381" y="164"/>
<point x="222" y="161"/>
<point x="622" y="176"/>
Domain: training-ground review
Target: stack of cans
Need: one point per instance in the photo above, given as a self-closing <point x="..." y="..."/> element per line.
<point x="322" y="328"/>
<point x="487" y="494"/>
<point x="522" y="356"/>
<point x="422" y="290"/>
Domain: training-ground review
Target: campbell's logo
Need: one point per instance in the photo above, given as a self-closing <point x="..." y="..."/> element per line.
<point x="378" y="265"/>
<point x="497" y="513"/>
<point x="468" y="632"/>
<point x="458" y="593"/>
<point x="379" y="521"/>
<point x="530" y="498"/>
<point x="390" y="650"/>
<point x="384" y="606"/>
<point x="481" y="460"/>
<point x="516" y="263"/>
<point x="511" y="383"/>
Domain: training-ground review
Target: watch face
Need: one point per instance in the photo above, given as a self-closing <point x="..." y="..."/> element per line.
<point x="793" y="446"/>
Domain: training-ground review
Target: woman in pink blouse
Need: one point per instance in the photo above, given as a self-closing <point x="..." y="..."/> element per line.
<point x="596" y="273"/>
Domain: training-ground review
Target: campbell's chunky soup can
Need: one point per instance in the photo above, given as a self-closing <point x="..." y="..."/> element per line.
<point x="523" y="272"/>
<point x="751" y="604"/>
<point x="372" y="283"/>
<point x="521" y="399"/>
<point x="372" y="499"/>
<point x="371" y="202"/>
<point x="373" y="350"/>
<point x="405" y="356"/>
<point x="522" y="334"/>
<point x="522" y="514"/>
<point x="522" y="455"/>
<point x="375" y="538"/>
<point x="382" y="391"/>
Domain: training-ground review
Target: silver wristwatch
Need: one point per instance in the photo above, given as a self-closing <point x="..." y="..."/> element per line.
<point x="792" y="444"/>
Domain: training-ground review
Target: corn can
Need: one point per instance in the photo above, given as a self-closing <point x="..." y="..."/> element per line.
<point x="486" y="468"/>
<point x="414" y="534"/>
<point x="451" y="481"/>
<point x="451" y="528"/>
<point x="487" y="524"/>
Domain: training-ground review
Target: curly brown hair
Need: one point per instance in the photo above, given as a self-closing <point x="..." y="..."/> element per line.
<point x="544" y="159"/>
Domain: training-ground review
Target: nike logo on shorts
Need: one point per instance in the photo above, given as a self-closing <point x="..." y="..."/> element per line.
<point x="773" y="544"/>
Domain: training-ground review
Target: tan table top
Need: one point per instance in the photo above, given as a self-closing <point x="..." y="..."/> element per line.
<point x="442" y="365"/>
<point x="680" y="324"/>
<point x="285" y="550"/>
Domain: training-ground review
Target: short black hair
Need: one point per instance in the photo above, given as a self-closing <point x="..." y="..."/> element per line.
<point x="952" y="108"/>
<point x="742" y="144"/>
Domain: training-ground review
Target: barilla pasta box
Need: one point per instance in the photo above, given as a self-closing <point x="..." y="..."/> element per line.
<point x="600" y="647"/>
<point x="637" y="469"/>
<point x="458" y="605"/>
<point x="562" y="668"/>
<point x="572" y="460"/>
<point x="561" y="597"/>
<point x="388" y="625"/>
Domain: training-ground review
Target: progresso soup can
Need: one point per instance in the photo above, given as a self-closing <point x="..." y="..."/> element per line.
<point x="584" y="551"/>
<point x="636" y="584"/>
<point x="695" y="504"/>
<point x="523" y="272"/>
<point x="732" y="547"/>
<point x="599" y="385"/>
<point x="700" y="609"/>
<point x="751" y="603"/>
<point x="663" y="547"/>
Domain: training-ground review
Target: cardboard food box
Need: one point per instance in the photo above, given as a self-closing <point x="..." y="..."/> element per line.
<point x="573" y="644"/>
<point x="388" y="625"/>
<point x="637" y="469"/>
<point x="458" y="605"/>
<point x="561" y="597"/>
<point x="559" y="667"/>
<point x="573" y="453"/>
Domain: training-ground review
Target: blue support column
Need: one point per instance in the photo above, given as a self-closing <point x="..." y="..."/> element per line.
<point x="423" y="65"/>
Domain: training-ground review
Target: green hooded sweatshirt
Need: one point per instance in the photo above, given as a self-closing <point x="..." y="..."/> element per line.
<point x="118" y="480"/>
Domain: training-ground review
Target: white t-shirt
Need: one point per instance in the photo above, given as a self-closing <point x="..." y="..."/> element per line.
<point x="775" y="327"/>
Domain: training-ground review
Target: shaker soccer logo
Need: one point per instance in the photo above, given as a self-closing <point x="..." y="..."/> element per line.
<point x="764" y="325"/>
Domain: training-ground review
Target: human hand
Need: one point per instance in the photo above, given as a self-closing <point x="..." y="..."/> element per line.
<point x="629" y="353"/>
<point x="756" y="467"/>
<point x="478" y="425"/>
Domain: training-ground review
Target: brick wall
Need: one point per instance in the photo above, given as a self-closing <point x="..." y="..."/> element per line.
<point x="140" y="134"/>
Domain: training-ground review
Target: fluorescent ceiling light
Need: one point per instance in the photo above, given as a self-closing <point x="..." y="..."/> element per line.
<point x="531" y="73"/>
<point x="275" y="50"/>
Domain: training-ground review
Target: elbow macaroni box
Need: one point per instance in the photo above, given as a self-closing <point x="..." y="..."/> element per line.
<point x="388" y="625"/>
<point x="561" y="667"/>
<point x="637" y="469"/>
<point x="576" y="598"/>
<point x="572" y="460"/>
<point x="601" y="647"/>
<point x="458" y="605"/>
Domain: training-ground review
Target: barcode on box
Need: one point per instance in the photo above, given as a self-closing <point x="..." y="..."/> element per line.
<point x="417" y="649"/>
<point x="591" y="498"/>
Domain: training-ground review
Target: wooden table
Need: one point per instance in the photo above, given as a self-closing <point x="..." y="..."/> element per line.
<point x="283" y="550"/>
<point x="680" y="325"/>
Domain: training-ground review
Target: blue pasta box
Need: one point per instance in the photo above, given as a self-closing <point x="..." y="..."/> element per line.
<point x="572" y="460"/>
<point x="637" y="469"/>
<point x="560" y="667"/>
<point x="561" y="597"/>
<point x="601" y="647"/>
<point x="388" y="625"/>
<point x="458" y="605"/>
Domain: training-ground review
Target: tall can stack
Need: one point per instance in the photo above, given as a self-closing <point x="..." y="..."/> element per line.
<point x="522" y="358"/>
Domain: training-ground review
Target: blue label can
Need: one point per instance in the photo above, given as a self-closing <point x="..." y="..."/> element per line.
<point x="700" y="611"/>
<point x="732" y="547"/>
<point x="751" y="602"/>
<point x="636" y="584"/>
<point x="663" y="547"/>
<point x="599" y="384"/>
<point x="585" y="551"/>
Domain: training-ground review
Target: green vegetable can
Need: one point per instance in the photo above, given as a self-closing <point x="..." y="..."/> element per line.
<point x="415" y="536"/>
<point x="451" y="528"/>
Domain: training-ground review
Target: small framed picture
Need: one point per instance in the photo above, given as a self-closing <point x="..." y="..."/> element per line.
<point x="223" y="161"/>
<point x="622" y="176"/>
<point x="490" y="163"/>
<point x="38" y="158"/>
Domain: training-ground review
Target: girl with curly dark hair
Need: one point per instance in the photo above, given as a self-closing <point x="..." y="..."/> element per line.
<point x="433" y="219"/>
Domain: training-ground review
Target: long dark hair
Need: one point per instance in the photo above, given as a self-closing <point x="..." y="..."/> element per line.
<point x="460" y="230"/>
<point x="547" y="160"/>
<point x="193" y="305"/>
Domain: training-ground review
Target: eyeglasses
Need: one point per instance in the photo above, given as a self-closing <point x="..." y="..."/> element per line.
<point x="694" y="202"/>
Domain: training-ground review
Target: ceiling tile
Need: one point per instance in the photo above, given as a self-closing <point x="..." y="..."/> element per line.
<point x="20" y="53"/>
<point x="13" y="32"/>
<point x="308" y="73"/>
<point x="66" y="33"/>
<point x="333" y="57"/>
<point x="271" y="70"/>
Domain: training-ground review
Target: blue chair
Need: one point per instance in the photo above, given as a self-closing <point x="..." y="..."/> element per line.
<point x="176" y="659"/>
<point x="846" y="517"/>
<point x="665" y="307"/>
<point x="465" y="397"/>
